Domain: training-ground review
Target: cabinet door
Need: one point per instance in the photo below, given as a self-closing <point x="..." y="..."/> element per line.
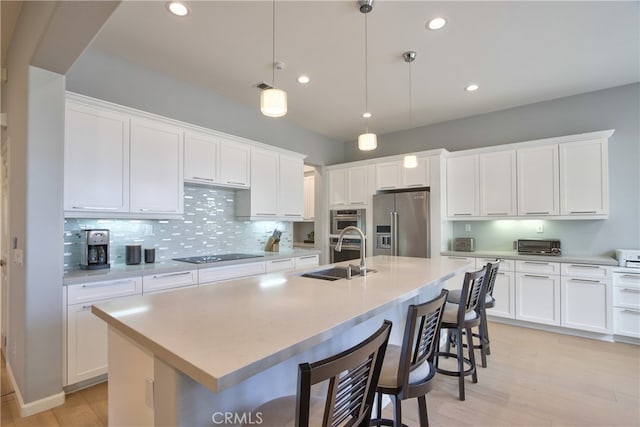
<point x="627" y="322"/>
<point x="457" y="281"/>
<point x="357" y="186"/>
<point x="156" y="167"/>
<point x="285" y="264"/>
<point x="309" y="197"/>
<point x="538" y="298"/>
<point x="462" y="186"/>
<point x="498" y="184"/>
<point x="163" y="281"/>
<point x="338" y="187"/>
<point x="584" y="178"/>
<point x="388" y="175"/>
<point x="504" y="292"/>
<point x="306" y="261"/>
<point x="418" y="176"/>
<point x="96" y="160"/>
<point x="585" y="304"/>
<point x="235" y="164"/>
<point x="264" y="183"/>
<point x="538" y="181"/>
<point x="86" y="344"/>
<point x="291" y="188"/>
<point x="200" y="158"/>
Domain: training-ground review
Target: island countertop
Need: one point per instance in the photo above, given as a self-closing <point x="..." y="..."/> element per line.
<point x="221" y="334"/>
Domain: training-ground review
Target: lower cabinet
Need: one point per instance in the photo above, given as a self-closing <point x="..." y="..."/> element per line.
<point x="211" y="275"/>
<point x="166" y="281"/>
<point x="504" y="289"/>
<point x="538" y="298"/>
<point x="284" y="264"/>
<point x="306" y="261"/>
<point x="586" y="295"/>
<point x="456" y="281"/>
<point x="626" y="304"/>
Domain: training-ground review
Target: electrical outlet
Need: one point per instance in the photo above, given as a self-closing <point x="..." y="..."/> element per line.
<point x="540" y="228"/>
<point x="467" y="227"/>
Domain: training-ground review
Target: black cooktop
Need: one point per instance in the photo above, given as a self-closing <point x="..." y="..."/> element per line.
<point x="205" y="259"/>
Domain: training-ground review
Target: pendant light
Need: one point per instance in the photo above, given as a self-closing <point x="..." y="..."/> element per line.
<point x="273" y="102"/>
<point x="410" y="161"/>
<point x="366" y="141"/>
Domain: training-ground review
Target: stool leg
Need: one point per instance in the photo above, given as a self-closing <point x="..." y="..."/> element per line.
<point x="486" y="331"/>
<point x="379" y="406"/>
<point x="460" y="364"/>
<point x="472" y="356"/>
<point x="422" y="411"/>
<point x="397" y="412"/>
<point x="484" y="339"/>
<point x="448" y="345"/>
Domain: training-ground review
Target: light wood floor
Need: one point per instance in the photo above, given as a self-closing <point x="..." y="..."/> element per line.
<point x="533" y="378"/>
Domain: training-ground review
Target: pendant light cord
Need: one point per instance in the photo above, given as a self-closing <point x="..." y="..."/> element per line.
<point x="273" y="45"/>
<point x="410" y="91"/>
<point x="366" y="74"/>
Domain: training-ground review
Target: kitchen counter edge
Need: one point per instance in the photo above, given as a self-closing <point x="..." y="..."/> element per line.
<point x="564" y="258"/>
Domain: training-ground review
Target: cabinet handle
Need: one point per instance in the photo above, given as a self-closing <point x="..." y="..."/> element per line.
<point x="536" y="262"/>
<point x="537" y="213"/>
<point x="387" y="187"/>
<point x="307" y="257"/>
<point x="595" y="267"/>
<point x="86" y="307"/>
<point x="95" y="208"/>
<point x="635" y="291"/>
<point x="236" y="183"/>
<point x="583" y="212"/>
<point x="497" y="213"/>
<point x="457" y="257"/>
<point x="462" y="214"/>
<point x="160" y="276"/>
<point x="585" y="281"/>
<point x="416" y="185"/>
<point x="536" y="276"/>
<point x="630" y="276"/>
<point x="203" y="179"/>
<point x="280" y="260"/>
<point x="99" y="285"/>
<point x="631" y="311"/>
<point x="296" y="215"/>
<point x="265" y="214"/>
<point x="358" y="203"/>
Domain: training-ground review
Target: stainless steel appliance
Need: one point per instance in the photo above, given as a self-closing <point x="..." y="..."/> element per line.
<point x="464" y="244"/>
<point x="351" y="248"/>
<point x="401" y="224"/>
<point x="343" y="218"/>
<point x="94" y="249"/>
<point x="205" y="259"/>
<point x="538" y="246"/>
<point x="629" y="258"/>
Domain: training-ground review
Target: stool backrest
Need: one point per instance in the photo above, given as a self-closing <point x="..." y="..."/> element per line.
<point x="353" y="377"/>
<point x="490" y="279"/>
<point x="472" y="293"/>
<point x="419" y="343"/>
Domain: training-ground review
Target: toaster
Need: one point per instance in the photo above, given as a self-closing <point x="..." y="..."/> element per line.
<point x="464" y="244"/>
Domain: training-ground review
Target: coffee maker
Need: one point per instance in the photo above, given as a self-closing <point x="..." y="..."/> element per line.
<point x="94" y="249"/>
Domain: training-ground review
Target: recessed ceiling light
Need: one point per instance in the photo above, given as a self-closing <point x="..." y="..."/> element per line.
<point x="303" y="79"/>
<point x="436" y="23"/>
<point x="472" y="87"/>
<point x="366" y="115"/>
<point x="178" y="8"/>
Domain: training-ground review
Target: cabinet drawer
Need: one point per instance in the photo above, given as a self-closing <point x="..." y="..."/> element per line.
<point x="279" y="265"/>
<point x="626" y="322"/>
<point x="96" y="291"/>
<point x="538" y="267"/>
<point x="627" y="280"/>
<point x="586" y="270"/>
<point x="626" y="296"/>
<point x="217" y="274"/>
<point x="307" y="261"/>
<point x="505" y="264"/>
<point x="158" y="282"/>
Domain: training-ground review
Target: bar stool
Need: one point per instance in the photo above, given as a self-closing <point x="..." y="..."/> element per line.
<point x="352" y="377"/>
<point x="408" y="369"/>
<point x="461" y="318"/>
<point x="487" y="302"/>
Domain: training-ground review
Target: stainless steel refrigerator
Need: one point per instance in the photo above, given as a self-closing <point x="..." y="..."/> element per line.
<point x="401" y="224"/>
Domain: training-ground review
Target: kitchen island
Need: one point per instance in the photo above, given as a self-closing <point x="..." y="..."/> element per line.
<point x="183" y="357"/>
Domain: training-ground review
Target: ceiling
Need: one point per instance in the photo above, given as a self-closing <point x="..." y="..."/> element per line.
<point x="518" y="52"/>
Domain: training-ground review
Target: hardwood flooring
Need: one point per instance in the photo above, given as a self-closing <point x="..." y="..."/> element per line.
<point x="533" y="378"/>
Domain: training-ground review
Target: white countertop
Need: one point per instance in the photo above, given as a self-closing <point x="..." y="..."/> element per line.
<point x="121" y="271"/>
<point x="577" y="259"/>
<point x="222" y="334"/>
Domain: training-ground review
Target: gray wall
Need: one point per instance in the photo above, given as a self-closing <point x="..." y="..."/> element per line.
<point x="615" y="108"/>
<point x="104" y="76"/>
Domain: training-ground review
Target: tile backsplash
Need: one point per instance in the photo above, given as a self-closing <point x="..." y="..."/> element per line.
<point x="209" y="227"/>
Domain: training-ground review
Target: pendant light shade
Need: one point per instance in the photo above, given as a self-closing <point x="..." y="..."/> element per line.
<point x="367" y="141"/>
<point x="273" y="102"/>
<point x="410" y="161"/>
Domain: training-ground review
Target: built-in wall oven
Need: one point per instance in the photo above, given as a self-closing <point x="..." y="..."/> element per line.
<point x="342" y="218"/>
<point x="351" y="248"/>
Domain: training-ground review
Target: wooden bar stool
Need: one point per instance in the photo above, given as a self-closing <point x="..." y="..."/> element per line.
<point x="485" y="302"/>
<point x="352" y="378"/>
<point x="459" y="318"/>
<point x="408" y="369"/>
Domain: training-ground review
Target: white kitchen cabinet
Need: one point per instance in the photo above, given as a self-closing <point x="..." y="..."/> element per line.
<point x="586" y="304"/>
<point x="283" y="264"/>
<point x="388" y="175"/>
<point x="462" y="186"/>
<point x="309" y="198"/>
<point x="497" y="184"/>
<point x="538" y="292"/>
<point x="626" y="304"/>
<point x="538" y="181"/>
<point x="584" y="178"/>
<point x="291" y="188"/>
<point x="201" y="153"/>
<point x="306" y="261"/>
<point x="156" y="181"/>
<point x="165" y="281"/>
<point x="235" y="164"/>
<point x="207" y="276"/>
<point x="348" y="186"/>
<point x="86" y="333"/>
<point x="457" y="281"/>
<point x="504" y="288"/>
<point x="96" y="160"/>
<point x="418" y="176"/>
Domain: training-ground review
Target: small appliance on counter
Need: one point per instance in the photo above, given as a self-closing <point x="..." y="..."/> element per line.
<point x="133" y="254"/>
<point x="538" y="246"/>
<point x="464" y="244"/>
<point x="629" y="258"/>
<point x="94" y="249"/>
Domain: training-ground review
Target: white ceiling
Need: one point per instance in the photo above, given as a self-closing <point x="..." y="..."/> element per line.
<point x="518" y="52"/>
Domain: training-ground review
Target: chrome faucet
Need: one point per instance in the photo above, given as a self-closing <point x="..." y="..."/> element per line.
<point x="363" y="262"/>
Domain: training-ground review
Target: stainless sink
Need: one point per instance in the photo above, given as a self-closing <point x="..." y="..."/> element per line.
<point x="331" y="274"/>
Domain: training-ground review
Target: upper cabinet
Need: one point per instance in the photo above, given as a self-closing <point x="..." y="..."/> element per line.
<point x="96" y="160"/>
<point x="584" y="178"/>
<point x="277" y="188"/>
<point x="348" y="186"/>
<point x="309" y="197"/>
<point x="418" y="176"/>
<point x="201" y="158"/>
<point x="235" y="160"/>
<point x="462" y="186"/>
<point x="538" y="181"/>
<point x="497" y="183"/>
<point x="393" y="175"/>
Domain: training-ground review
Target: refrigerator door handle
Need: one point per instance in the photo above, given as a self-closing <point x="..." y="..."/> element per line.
<point x="394" y="233"/>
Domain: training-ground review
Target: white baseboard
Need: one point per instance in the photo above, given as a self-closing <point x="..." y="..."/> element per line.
<point x="40" y="405"/>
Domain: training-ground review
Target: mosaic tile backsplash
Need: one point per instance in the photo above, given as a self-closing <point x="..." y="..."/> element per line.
<point x="209" y="227"/>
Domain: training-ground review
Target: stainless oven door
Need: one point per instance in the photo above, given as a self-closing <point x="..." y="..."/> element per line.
<point x="340" y="223"/>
